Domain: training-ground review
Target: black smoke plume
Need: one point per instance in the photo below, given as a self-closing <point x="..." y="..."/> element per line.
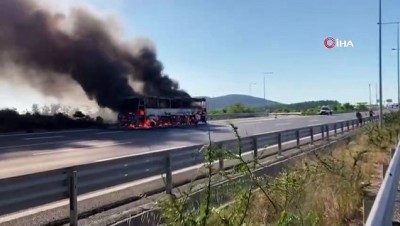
<point x="87" y="51"/>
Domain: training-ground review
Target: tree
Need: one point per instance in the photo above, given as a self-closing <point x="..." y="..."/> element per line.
<point x="45" y="110"/>
<point x="99" y="120"/>
<point x="35" y="109"/>
<point x="54" y="108"/>
<point x="65" y="110"/>
<point x="348" y="107"/>
<point x="362" y="107"/>
<point x="238" y="108"/>
<point x="78" y="114"/>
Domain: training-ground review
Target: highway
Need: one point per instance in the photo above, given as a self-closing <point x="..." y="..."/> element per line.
<point x="34" y="152"/>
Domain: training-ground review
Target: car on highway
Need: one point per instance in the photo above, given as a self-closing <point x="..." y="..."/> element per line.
<point x="325" y="110"/>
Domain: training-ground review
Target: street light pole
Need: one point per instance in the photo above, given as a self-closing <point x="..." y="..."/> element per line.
<point x="380" y="65"/>
<point x="398" y="70"/>
<point x="264" y="87"/>
<point x="370" y="95"/>
<point x="266" y="73"/>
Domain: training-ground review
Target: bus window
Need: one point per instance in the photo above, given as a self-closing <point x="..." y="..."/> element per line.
<point x="175" y="103"/>
<point x="164" y="103"/>
<point x="151" y="103"/>
<point x="129" y="105"/>
<point x="186" y="103"/>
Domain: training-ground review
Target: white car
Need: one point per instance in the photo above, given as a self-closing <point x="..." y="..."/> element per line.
<point x="325" y="110"/>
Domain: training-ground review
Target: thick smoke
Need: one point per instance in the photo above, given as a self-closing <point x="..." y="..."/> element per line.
<point x="86" y="51"/>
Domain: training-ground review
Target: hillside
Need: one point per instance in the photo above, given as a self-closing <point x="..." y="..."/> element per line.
<point x="228" y="100"/>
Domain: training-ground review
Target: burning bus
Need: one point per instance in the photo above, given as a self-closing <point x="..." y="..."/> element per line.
<point x="156" y="112"/>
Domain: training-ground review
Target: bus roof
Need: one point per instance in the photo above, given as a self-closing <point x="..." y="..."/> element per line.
<point x="171" y="98"/>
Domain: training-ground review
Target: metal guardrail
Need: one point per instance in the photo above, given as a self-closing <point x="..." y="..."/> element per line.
<point x="382" y="210"/>
<point x="248" y="115"/>
<point x="236" y="115"/>
<point x="27" y="191"/>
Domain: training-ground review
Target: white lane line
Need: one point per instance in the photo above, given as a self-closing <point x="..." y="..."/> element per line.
<point x="241" y="121"/>
<point x="268" y="132"/>
<point x="108" y="132"/>
<point x="314" y="120"/>
<point x="53" y="132"/>
<point x="38" y="138"/>
<point x="141" y="153"/>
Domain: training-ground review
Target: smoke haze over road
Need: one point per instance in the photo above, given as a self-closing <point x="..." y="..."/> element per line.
<point x="58" y="51"/>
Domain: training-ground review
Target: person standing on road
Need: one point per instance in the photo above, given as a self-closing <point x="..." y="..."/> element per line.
<point x="371" y="113"/>
<point x="359" y="117"/>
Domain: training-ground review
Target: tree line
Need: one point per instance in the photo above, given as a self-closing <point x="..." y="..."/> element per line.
<point x="307" y="107"/>
<point x="50" y="117"/>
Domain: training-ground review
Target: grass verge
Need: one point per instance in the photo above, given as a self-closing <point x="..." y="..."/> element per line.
<point x="321" y="190"/>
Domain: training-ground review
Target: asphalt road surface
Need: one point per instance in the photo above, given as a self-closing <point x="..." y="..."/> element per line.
<point x="28" y="153"/>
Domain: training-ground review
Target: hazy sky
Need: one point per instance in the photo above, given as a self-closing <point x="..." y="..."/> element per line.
<point x="220" y="47"/>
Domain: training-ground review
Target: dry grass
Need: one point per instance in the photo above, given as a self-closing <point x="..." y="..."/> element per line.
<point x="322" y="190"/>
<point x="326" y="190"/>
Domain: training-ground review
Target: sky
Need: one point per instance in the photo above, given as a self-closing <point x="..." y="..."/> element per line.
<point x="215" y="48"/>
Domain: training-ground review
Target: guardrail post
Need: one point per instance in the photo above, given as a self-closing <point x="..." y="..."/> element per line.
<point x="255" y="148"/>
<point x="368" y="202"/>
<point x="341" y="126"/>
<point x="220" y="163"/>
<point x="352" y="124"/>
<point x="335" y="128"/>
<point x="392" y="151"/>
<point x="327" y="132"/>
<point x="312" y="134"/>
<point x="323" y="132"/>
<point x="348" y="126"/>
<point x="168" y="174"/>
<point x="298" y="138"/>
<point x="73" y="199"/>
<point x="279" y="143"/>
<point x="384" y="169"/>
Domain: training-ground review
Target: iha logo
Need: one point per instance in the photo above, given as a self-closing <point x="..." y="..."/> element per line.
<point x="330" y="42"/>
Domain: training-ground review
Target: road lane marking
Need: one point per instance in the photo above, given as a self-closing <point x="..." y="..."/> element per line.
<point x="108" y="132"/>
<point x="314" y="120"/>
<point x="38" y="138"/>
<point x="53" y="132"/>
<point x="141" y="153"/>
<point x="264" y="133"/>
